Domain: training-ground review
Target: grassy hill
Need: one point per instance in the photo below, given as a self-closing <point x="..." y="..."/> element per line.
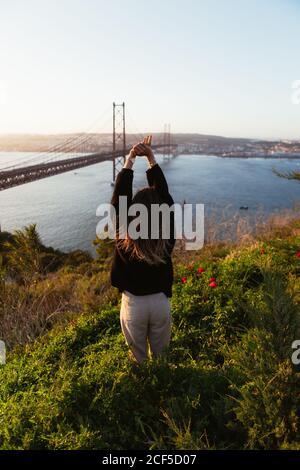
<point x="227" y="381"/>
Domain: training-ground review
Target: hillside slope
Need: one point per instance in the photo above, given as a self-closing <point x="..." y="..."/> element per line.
<point x="226" y="382"/>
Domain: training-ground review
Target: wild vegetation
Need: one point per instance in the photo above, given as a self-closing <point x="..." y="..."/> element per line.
<point x="227" y="381"/>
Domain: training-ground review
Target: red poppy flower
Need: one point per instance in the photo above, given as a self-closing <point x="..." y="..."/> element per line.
<point x="183" y="280"/>
<point x="297" y="254"/>
<point x="212" y="279"/>
<point x="213" y="284"/>
<point x="200" y="270"/>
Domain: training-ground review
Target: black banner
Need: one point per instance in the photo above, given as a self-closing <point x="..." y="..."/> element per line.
<point x="137" y="459"/>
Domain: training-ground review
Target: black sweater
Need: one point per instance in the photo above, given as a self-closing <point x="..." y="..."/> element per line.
<point x="135" y="276"/>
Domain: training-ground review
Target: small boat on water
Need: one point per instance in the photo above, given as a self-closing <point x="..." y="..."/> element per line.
<point x="244" y="208"/>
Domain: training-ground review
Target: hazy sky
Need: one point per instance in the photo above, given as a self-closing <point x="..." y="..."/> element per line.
<point x="210" y="66"/>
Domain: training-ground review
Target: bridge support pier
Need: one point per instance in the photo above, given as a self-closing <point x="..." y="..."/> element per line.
<point x="119" y="138"/>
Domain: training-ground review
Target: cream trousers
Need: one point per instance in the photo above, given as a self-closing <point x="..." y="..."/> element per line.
<point x="146" y="318"/>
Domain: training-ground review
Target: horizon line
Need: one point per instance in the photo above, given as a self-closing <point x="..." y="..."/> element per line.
<point x="30" y="134"/>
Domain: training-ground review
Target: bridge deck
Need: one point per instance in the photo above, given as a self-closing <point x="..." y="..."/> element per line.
<point x="18" y="176"/>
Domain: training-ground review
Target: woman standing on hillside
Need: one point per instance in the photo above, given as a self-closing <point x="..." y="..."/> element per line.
<point x="142" y="268"/>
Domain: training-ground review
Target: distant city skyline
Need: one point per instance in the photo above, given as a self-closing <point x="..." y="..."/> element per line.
<point x="208" y="67"/>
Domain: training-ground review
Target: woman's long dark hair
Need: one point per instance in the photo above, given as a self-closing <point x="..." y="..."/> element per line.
<point x="152" y="251"/>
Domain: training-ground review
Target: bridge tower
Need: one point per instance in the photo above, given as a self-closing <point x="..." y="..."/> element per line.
<point x="167" y="142"/>
<point x="119" y="138"/>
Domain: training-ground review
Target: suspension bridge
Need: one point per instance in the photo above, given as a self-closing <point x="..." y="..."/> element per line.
<point x="73" y="154"/>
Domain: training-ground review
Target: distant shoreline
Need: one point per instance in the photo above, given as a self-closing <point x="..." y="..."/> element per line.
<point x="266" y="156"/>
<point x="201" y="144"/>
<point x="202" y="154"/>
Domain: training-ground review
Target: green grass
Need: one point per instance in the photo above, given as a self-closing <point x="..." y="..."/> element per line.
<point x="226" y="382"/>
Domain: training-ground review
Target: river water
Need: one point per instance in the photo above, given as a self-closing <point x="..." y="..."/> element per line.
<point x="64" y="206"/>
